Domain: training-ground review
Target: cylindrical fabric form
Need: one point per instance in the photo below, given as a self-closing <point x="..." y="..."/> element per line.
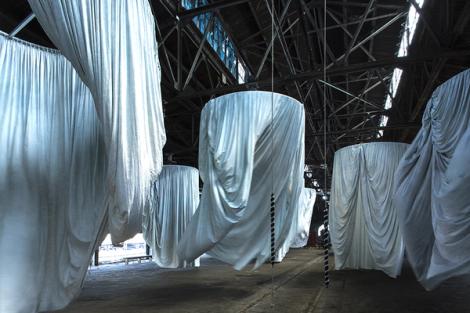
<point x="251" y="144"/>
<point x="112" y="46"/>
<point x="52" y="178"/>
<point x="175" y="199"/>
<point x="363" y="220"/>
<point x="307" y="201"/>
<point x="432" y="191"/>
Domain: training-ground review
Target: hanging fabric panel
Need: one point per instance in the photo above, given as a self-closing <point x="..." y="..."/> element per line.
<point x="175" y="199"/>
<point x="363" y="220"/>
<point x="125" y="228"/>
<point x="246" y="146"/>
<point x="301" y="227"/>
<point x="307" y="201"/>
<point x="52" y="173"/>
<point x="112" y="46"/>
<point x="432" y="191"/>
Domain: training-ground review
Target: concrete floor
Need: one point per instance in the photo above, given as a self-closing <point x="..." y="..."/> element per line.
<point x="216" y="287"/>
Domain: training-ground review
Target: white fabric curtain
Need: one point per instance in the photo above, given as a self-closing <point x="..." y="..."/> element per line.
<point x="52" y="173"/>
<point x="175" y="199"/>
<point x="432" y="191"/>
<point x="246" y="146"/>
<point x="112" y="46"/>
<point x="363" y="220"/>
<point x="301" y="226"/>
<point x="307" y="201"/>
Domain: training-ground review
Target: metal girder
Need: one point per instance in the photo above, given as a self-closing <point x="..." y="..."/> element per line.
<point x="338" y="70"/>
<point x="268" y="49"/>
<point x="371" y="36"/>
<point x="314" y="24"/>
<point x="22" y="25"/>
<point x="428" y="88"/>
<point x="426" y="23"/>
<point x="346" y="31"/>
<point x="209" y="7"/>
<point x="179" y="49"/>
<point x="319" y="3"/>
<point x="285" y="49"/>
<point x="457" y="30"/>
<point x="199" y="50"/>
<point x="308" y="94"/>
<point x="368" y="113"/>
<point x="344" y="24"/>
<point x="351" y="95"/>
<point x="298" y="44"/>
<point x="165" y="52"/>
<point x="366" y="129"/>
<point x="358" y="30"/>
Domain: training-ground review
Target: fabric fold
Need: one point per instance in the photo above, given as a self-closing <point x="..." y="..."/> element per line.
<point x="250" y="144"/>
<point x="307" y="201"/>
<point x="175" y="199"/>
<point x="112" y="46"/>
<point x="363" y="220"/>
<point x="432" y="187"/>
<point x="52" y="178"/>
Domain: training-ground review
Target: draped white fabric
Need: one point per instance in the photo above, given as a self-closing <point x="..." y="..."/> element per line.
<point x="363" y="220"/>
<point x="246" y="146"/>
<point x="307" y="201"/>
<point x="432" y="191"/>
<point x="175" y="199"/>
<point x="52" y="173"/>
<point x="112" y="46"/>
<point x="300" y="227"/>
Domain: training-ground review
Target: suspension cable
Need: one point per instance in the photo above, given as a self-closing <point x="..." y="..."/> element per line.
<point x="326" y="237"/>
<point x="273" y="201"/>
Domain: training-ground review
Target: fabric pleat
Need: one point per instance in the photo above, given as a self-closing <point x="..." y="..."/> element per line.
<point x="432" y="191"/>
<point x="175" y="199"/>
<point x="112" y="46"/>
<point x="363" y="220"/>
<point x="52" y="178"/>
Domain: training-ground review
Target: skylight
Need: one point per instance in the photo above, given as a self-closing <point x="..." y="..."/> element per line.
<point x="219" y="40"/>
<point x="406" y="40"/>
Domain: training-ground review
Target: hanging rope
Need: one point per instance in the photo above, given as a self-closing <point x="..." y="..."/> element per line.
<point x="326" y="237"/>
<point x="273" y="201"/>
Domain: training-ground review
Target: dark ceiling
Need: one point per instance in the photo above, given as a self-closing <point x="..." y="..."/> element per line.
<point x="362" y="38"/>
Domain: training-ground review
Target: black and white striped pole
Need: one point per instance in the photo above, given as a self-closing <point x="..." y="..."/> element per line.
<point x="326" y="242"/>
<point x="273" y="230"/>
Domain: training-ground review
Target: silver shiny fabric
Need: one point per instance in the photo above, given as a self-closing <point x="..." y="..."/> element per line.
<point x="248" y="146"/>
<point x="307" y="202"/>
<point x="52" y="178"/>
<point x="363" y="220"/>
<point x="111" y="44"/>
<point x="175" y="199"/>
<point x="432" y="190"/>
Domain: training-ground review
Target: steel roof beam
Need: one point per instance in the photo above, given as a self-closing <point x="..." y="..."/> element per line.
<point x="209" y="7"/>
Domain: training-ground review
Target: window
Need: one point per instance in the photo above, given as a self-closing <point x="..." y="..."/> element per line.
<point x="406" y="40"/>
<point x="219" y="40"/>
